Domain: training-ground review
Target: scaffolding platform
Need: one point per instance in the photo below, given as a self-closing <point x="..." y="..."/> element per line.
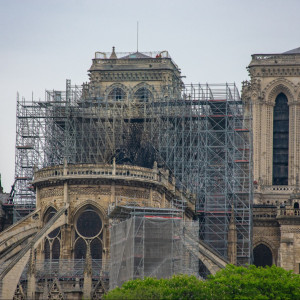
<point x="200" y="135"/>
<point x="150" y="246"/>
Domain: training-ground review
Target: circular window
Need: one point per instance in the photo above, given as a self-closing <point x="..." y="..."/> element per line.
<point x="89" y="223"/>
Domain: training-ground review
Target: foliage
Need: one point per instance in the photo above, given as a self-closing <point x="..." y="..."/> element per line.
<point x="254" y="283"/>
<point x="230" y="283"/>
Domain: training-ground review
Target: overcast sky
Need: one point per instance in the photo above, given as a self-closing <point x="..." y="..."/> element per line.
<point x="44" y="42"/>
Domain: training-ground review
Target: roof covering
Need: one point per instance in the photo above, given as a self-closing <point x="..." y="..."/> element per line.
<point x="293" y="51"/>
<point x="136" y="55"/>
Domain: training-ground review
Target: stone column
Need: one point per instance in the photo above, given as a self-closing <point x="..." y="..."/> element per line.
<point x="294" y="142"/>
<point x="87" y="274"/>
<point x="256" y="139"/>
<point x="232" y="240"/>
<point x="37" y="197"/>
<point x="31" y="276"/>
<point x="151" y="197"/>
<point x="65" y="242"/>
<point x="269" y="143"/>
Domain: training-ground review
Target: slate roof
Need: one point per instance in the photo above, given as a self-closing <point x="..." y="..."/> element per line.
<point x="293" y="51"/>
<point x="136" y="55"/>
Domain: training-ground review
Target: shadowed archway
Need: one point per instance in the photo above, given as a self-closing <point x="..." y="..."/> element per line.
<point x="262" y="256"/>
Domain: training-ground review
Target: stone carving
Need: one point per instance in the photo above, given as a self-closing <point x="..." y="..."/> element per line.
<point x="52" y="192"/>
<point x="54" y="291"/>
<point x="99" y="290"/>
<point x="19" y="293"/>
<point x="157" y="199"/>
<point x="132" y="193"/>
<point x="89" y="191"/>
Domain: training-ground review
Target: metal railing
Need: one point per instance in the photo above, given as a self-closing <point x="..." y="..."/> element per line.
<point x="67" y="269"/>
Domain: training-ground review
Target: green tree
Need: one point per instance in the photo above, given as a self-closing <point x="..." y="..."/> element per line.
<point x="230" y="283"/>
<point x="254" y="283"/>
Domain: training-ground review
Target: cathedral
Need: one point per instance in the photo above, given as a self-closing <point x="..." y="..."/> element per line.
<point x="137" y="174"/>
<point x="273" y="92"/>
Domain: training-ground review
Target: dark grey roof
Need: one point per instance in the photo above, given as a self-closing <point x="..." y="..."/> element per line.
<point x="293" y="51"/>
<point x="136" y="55"/>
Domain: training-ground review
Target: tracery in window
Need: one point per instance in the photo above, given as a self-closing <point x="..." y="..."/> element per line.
<point x="117" y="94"/>
<point x="143" y="95"/>
<point x="88" y="229"/>
<point x="52" y="241"/>
<point x="280" y="140"/>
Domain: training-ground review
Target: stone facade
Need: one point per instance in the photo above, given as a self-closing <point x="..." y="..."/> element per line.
<point x="103" y="188"/>
<point x="276" y="201"/>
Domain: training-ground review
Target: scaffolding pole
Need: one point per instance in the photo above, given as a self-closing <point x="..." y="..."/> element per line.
<point x="201" y="136"/>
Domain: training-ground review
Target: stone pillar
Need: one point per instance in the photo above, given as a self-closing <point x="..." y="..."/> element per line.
<point x="38" y="199"/>
<point x="31" y="276"/>
<point x="66" y="193"/>
<point x="164" y="200"/>
<point x="65" y="252"/>
<point x="87" y="274"/>
<point x="294" y="140"/>
<point x="155" y="171"/>
<point x="114" y="167"/>
<point x="65" y="167"/>
<point x="113" y="193"/>
<point x="232" y="240"/>
<point x="269" y="143"/>
<point x="151" y="197"/>
<point x="106" y="242"/>
<point x="256" y="140"/>
<point x="286" y="250"/>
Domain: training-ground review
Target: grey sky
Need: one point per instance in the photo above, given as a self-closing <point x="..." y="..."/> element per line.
<point x="44" y="42"/>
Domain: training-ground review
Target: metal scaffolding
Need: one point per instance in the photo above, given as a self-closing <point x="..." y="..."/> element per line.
<point x="150" y="245"/>
<point x="200" y="135"/>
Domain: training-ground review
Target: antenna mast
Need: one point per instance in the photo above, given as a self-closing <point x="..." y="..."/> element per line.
<point x="137" y="36"/>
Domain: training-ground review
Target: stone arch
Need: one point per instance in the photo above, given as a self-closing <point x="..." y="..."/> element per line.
<point x="143" y="85"/>
<point x="81" y="206"/>
<point x="282" y="85"/>
<point x="52" y="242"/>
<point x="116" y="86"/>
<point x="267" y="244"/>
<point x="46" y="209"/>
<point x="95" y="235"/>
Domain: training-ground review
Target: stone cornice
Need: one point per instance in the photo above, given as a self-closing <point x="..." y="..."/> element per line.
<point x="265" y="223"/>
<point x="275" y="60"/>
<point x="117" y="76"/>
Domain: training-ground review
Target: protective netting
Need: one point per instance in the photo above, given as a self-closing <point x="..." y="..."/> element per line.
<point x="144" y="246"/>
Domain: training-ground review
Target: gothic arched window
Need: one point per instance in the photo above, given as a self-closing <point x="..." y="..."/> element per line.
<point x="117" y="94"/>
<point x="88" y="229"/>
<point x="52" y="241"/>
<point x="280" y="140"/>
<point x="143" y="95"/>
<point x="262" y="256"/>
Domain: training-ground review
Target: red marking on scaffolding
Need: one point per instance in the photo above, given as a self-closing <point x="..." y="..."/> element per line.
<point x="23" y="178"/>
<point x="163" y="217"/>
<point x="242" y="161"/>
<point x="215" y="211"/>
<point x="241" y="129"/>
<point x="7" y="204"/>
